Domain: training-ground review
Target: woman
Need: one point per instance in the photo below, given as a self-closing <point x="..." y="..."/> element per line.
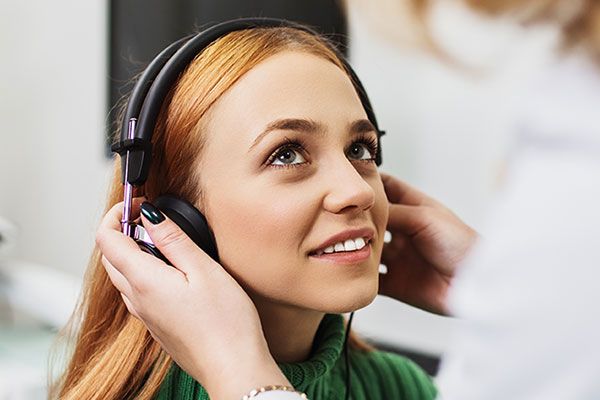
<point x="266" y="135"/>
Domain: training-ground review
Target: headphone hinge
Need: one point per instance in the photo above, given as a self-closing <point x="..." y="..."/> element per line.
<point x="123" y="146"/>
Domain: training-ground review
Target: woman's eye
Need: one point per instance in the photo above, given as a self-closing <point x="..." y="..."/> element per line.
<point x="287" y="156"/>
<point x="360" y="151"/>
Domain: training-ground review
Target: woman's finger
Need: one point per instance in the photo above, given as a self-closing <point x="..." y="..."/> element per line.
<point x="399" y="192"/>
<point x="122" y="251"/>
<point x="113" y="217"/>
<point x="392" y="251"/>
<point x="117" y="279"/>
<point x="175" y="245"/>
<point x="130" y="306"/>
<point x="121" y="285"/>
<point x="408" y="220"/>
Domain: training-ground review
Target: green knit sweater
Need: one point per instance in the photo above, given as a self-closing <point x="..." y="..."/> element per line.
<point x="375" y="375"/>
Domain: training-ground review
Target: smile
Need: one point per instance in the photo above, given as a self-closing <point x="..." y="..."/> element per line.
<point x="345" y="246"/>
<point x="345" y="256"/>
<point x="349" y="247"/>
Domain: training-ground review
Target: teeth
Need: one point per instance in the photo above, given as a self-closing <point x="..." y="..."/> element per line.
<point x="360" y="243"/>
<point x="348" y="245"/>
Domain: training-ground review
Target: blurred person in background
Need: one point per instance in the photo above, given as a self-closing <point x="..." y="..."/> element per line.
<point x="528" y="295"/>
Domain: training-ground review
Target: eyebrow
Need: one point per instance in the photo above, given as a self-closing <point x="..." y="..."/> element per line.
<point x="309" y="126"/>
<point x="362" y="126"/>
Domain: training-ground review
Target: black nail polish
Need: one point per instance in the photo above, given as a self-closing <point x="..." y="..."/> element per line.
<point x="152" y="213"/>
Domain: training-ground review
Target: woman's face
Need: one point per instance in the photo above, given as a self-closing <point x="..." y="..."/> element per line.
<point x="290" y="187"/>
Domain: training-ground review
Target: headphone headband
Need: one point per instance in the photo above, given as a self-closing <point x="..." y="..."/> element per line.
<point x="154" y="84"/>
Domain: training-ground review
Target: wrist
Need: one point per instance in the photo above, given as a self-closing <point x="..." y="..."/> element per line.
<point x="273" y="392"/>
<point x="240" y="375"/>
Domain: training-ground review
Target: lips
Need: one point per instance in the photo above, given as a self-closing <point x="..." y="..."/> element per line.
<point x="346" y="241"/>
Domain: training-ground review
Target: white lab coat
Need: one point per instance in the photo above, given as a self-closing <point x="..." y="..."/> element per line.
<point x="529" y="295"/>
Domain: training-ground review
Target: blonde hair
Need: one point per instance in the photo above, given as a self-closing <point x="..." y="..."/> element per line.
<point x="578" y="20"/>
<point x="113" y="356"/>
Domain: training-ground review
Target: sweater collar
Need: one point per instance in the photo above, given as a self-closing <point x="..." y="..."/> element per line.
<point x="327" y="347"/>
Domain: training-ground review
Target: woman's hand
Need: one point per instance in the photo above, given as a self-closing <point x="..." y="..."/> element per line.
<point x="194" y="309"/>
<point x="428" y="243"/>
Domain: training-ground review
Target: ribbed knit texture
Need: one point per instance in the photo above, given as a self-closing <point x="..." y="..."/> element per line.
<point x="375" y="375"/>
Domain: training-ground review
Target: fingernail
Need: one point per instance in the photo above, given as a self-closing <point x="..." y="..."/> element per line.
<point x="152" y="213"/>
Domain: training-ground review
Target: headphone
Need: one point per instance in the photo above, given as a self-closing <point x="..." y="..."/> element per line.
<point x="141" y="113"/>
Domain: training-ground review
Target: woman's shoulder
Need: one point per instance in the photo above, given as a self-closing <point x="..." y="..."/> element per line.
<point x="396" y="376"/>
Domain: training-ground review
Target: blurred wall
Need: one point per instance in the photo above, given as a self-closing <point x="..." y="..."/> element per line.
<point x="53" y="172"/>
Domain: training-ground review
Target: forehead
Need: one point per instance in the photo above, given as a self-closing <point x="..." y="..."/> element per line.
<point x="286" y="85"/>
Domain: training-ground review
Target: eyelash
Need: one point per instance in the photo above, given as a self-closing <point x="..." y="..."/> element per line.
<point x="290" y="144"/>
<point x="299" y="145"/>
<point x="371" y="143"/>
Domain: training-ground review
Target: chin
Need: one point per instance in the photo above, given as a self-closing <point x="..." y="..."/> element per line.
<point x="352" y="299"/>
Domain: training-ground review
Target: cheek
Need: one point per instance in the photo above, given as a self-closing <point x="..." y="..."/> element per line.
<point x="380" y="210"/>
<point x="258" y="236"/>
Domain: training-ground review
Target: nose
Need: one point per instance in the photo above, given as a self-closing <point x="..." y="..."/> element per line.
<point x="348" y="191"/>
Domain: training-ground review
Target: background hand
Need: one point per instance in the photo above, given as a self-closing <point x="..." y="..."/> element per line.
<point x="194" y="309"/>
<point x="428" y="243"/>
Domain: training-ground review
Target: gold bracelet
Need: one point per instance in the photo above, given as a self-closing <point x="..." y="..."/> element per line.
<point x="256" y="392"/>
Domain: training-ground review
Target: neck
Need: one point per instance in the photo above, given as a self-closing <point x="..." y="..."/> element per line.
<point x="289" y="330"/>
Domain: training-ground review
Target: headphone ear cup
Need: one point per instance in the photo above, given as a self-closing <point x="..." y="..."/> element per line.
<point x="190" y="220"/>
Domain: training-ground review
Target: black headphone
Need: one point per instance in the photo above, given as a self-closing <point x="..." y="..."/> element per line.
<point x="143" y="107"/>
